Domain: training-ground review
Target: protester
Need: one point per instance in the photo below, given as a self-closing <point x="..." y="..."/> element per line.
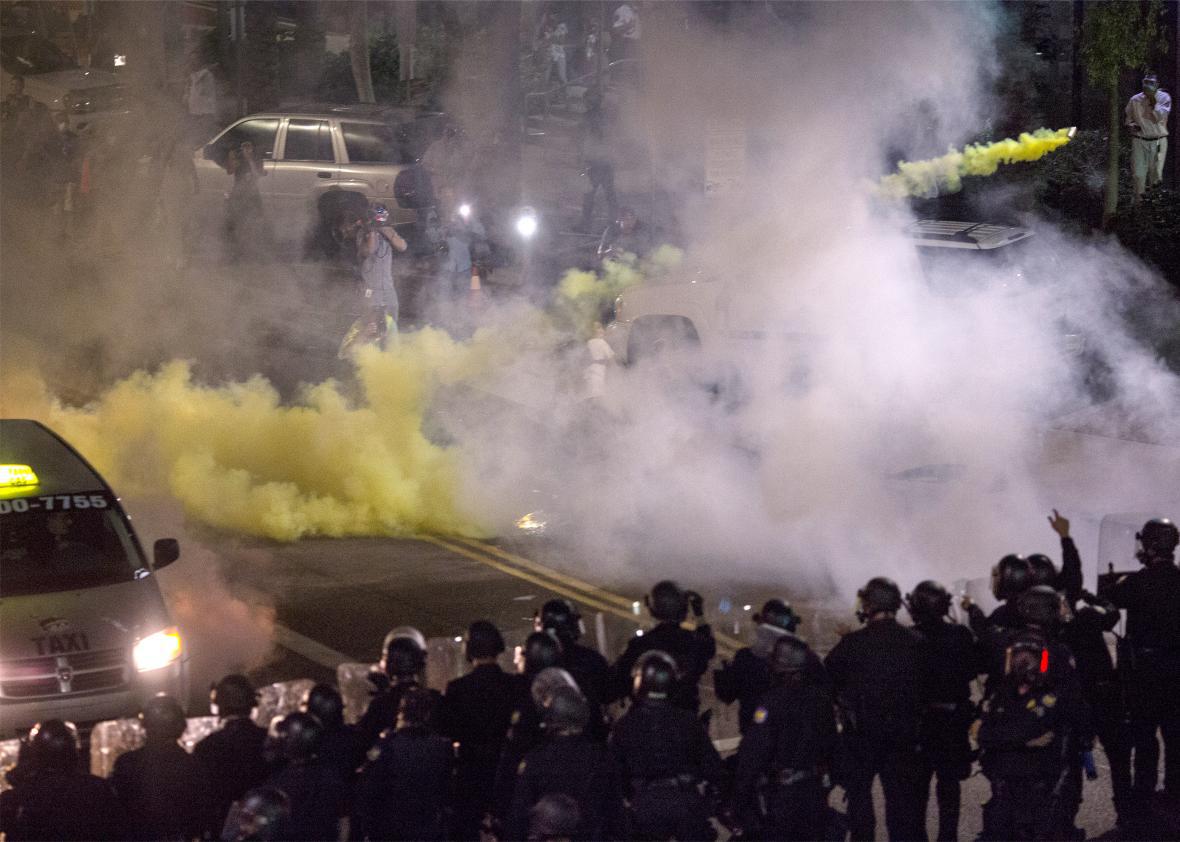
<point x="1147" y="118"/>
<point x="232" y="757"/>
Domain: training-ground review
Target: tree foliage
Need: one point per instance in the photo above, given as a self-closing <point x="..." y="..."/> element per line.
<point x="1120" y="35"/>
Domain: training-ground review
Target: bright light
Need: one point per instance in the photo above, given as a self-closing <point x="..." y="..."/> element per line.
<point x="639" y="632"/>
<point x="465" y="210"/>
<point x="532" y="522"/>
<point x="158" y="650"/>
<point x="458" y="639"/>
<point x="16" y="476"/>
<point x="120" y="61"/>
<point x="526" y="224"/>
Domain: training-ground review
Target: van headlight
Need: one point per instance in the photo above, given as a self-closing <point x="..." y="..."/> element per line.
<point x="157" y="650"/>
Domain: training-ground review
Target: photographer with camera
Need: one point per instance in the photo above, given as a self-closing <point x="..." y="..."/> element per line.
<point x="691" y="645"/>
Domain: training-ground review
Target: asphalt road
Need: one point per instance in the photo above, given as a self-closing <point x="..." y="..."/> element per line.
<point x="334" y="600"/>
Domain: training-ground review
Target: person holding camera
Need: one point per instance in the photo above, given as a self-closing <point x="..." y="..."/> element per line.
<point x="692" y="648"/>
<point x="1147" y="118"/>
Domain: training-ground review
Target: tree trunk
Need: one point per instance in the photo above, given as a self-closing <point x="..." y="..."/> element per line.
<point x="1110" y="203"/>
<point x="358" y="50"/>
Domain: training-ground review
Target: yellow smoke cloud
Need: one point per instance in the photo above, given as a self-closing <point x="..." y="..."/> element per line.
<point x="581" y="294"/>
<point x="238" y="459"/>
<point x="944" y="174"/>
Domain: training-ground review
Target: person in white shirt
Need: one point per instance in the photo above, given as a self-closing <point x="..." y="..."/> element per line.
<point x="601" y="355"/>
<point x="1147" y="116"/>
<point x="200" y="100"/>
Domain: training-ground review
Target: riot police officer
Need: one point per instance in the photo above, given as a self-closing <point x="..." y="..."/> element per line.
<point x="163" y="787"/>
<point x="403" y="663"/>
<point x="1023" y="732"/>
<point x="339" y="742"/>
<point x="691" y="649"/>
<point x="956" y="659"/>
<point x="570" y="763"/>
<point x="402" y="792"/>
<point x="232" y="756"/>
<point x="318" y="795"/>
<point x="748" y="677"/>
<point x="881" y="677"/>
<point x="51" y="798"/>
<point x="261" y="816"/>
<point x="1151" y="597"/>
<point x="665" y="753"/>
<point x="475" y="713"/>
<point x="1011" y="576"/>
<point x="587" y="666"/>
<point x="787" y="751"/>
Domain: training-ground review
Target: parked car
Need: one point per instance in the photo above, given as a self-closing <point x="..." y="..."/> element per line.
<point x="56" y="81"/>
<point x="86" y="633"/>
<point x="318" y="161"/>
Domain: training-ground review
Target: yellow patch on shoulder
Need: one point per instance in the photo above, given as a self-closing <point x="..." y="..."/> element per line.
<point x="520" y="768"/>
<point x="1032" y="703"/>
<point x="515" y="717"/>
<point x="760" y="716"/>
<point x="1048" y="700"/>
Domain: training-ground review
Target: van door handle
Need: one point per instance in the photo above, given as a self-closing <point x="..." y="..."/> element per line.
<point x="323" y="175"/>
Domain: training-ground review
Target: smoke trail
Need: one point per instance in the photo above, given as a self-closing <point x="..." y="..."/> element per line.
<point x="238" y="459"/>
<point x="945" y="173"/>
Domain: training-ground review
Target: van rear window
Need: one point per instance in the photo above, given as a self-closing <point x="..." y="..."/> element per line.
<point x="64" y="542"/>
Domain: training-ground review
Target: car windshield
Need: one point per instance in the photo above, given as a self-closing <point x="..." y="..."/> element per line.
<point x="28" y="55"/>
<point x="955" y="271"/>
<point x="64" y="543"/>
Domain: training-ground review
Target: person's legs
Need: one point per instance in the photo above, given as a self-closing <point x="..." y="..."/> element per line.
<point x="1155" y="171"/>
<point x="949" y="794"/>
<point x="906" y="793"/>
<point x="862" y="823"/>
<point x="1140" y="160"/>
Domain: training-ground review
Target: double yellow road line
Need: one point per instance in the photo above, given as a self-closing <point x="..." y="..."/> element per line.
<point x="582" y="592"/>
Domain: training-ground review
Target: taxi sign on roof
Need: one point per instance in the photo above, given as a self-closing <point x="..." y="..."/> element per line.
<point x="17" y="476"/>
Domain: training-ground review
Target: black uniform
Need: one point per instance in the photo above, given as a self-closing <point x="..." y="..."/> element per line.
<point x="475" y="713"/>
<point x="402" y="791"/>
<point x="319" y="799"/>
<point x="692" y="651"/>
<point x="592" y="673"/>
<point x="956" y="659"/>
<point x="381" y="714"/>
<point x="233" y="761"/>
<point x="779" y="792"/>
<point x="54" y="805"/>
<point x="747" y="678"/>
<point x="1024" y="738"/>
<point x="881" y="676"/>
<point x="165" y="792"/>
<point x="341" y="747"/>
<point x="1152" y="599"/>
<point x="576" y="766"/>
<point x="523" y="735"/>
<point x="663" y="752"/>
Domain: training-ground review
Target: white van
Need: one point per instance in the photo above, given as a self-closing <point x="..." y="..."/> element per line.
<point x="84" y="632"/>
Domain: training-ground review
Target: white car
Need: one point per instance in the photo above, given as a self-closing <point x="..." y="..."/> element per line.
<point x="695" y="309"/>
<point x="56" y="81"/>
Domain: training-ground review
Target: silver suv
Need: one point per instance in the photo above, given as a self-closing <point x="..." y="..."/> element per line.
<point x="318" y="160"/>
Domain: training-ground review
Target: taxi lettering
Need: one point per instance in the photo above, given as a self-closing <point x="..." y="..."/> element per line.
<point x="61" y="644"/>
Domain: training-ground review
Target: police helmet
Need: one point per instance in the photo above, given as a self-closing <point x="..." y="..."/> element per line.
<point x="667" y="602"/>
<point x="790" y="655"/>
<point x="779" y="614"/>
<point x="298" y="735"/>
<point x="548" y="680"/>
<point x="379" y="214"/>
<point x="1042" y="570"/>
<point x="878" y="595"/>
<point x="1039" y="606"/>
<point x="54" y="744"/>
<point x="555" y="816"/>
<point x="415" y="708"/>
<point x="234" y="695"/>
<point x="654" y="675"/>
<point x="1157" y="540"/>
<point x="163" y="719"/>
<point x="562" y="618"/>
<point x="483" y="641"/>
<point x="263" y="814"/>
<point x="929" y="600"/>
<point x="1026" y="657"/>
<point x="403" y="658"/>
<point x="541" y="650"/>
<point x="1010" y="576"/>
<point x="324" y="702"/>
<point x="565" y="712"/>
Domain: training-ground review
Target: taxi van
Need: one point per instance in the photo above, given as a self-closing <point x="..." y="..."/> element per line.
<point x="84" y="631"/>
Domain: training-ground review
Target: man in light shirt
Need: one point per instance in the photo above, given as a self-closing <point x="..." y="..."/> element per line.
<point x="1147" y="116"/>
